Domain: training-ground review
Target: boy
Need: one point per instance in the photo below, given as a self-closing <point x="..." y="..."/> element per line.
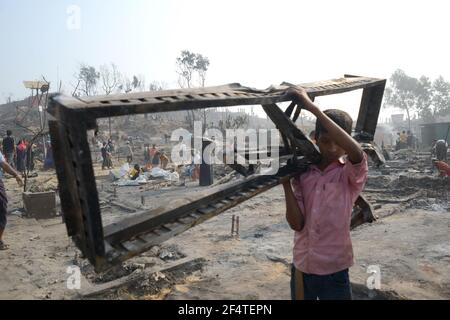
<point x="319" y="208"/>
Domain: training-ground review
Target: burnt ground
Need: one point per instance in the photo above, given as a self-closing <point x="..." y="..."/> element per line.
<point x="409" y="243"/>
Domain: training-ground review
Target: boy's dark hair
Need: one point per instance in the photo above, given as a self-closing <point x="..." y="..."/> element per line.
<point x="341" y="118"/>
<point x="8" y="132"/>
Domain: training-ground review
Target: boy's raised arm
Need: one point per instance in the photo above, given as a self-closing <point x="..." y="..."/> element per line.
<point x="340" y="137"/>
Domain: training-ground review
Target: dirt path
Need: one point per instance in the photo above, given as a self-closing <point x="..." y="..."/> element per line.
<point x="410" y="245"/>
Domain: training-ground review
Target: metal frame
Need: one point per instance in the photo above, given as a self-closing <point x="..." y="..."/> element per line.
<point x="115" y="243"/>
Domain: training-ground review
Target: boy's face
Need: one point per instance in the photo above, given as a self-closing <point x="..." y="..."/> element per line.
<point x="328" y="148"/>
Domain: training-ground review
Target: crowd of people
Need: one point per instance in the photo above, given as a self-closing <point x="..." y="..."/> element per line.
<point x="406" y="140"/>
<point x="153" y="157"/>
<point x="21" y="155"/>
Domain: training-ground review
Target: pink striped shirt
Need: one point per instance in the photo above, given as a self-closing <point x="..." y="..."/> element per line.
<point x="326" y="200"/>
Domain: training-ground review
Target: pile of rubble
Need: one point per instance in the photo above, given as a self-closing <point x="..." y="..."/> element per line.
<point x="122" y="178"/>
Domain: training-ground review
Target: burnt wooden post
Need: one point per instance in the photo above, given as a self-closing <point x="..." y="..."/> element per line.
<point x="206" y="167"/>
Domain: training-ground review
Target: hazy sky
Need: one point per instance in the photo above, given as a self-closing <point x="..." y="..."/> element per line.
<point x="254" y="42"/>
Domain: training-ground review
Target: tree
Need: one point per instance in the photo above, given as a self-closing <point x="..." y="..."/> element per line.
<point x="157" y="86"/>
<point x="201" y="66"/>
<point x="87" y="78"/>
<point x="138" y="83"/>
<point x="110" y="78"/>
<point x="441" y="96"/>
<point x="36" y="132"/>
<point x="125" y="85"/>
<point x="186" y="64"/>
<point x="190" y="64"/>
<point x="403" y="93"/>
<point x="428" y="99"/>
<point x="424" y="98"/>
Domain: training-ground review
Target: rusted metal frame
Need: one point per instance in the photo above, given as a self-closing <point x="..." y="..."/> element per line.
<point x="127" y="109"/>
<point x="369" y="111"/>
<point x="124" y="105"/>
<point x="71" y="116"/>
<point x="298" y="110"/>
<point x="228" y="92"/>
<point x="79" y="167"/>
<point x="362" y="212"/>
<point x="68" y="191"/>
<point x="301" y="144"/>
<point x="88" y="192"/>
<point x="288" y="113"/>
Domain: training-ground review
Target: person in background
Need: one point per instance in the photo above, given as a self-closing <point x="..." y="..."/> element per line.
<point x="106" y="157"/>
<point x="403" y="140"/>
<point x="164" y="160"/>
<point x="110" y="146"/>
<point x="129" y="152"/>
<point x="9" y="148"/>
<point x="146" y="153"/>
<point x="410" y="140"/>
<point x="441" y="150"/>
<point x="31" y="153"/>
<point x="4" y="200"/>
<point x="197" y="160"/>
<point x="135" y="172"/>
<point x="385" y="152"/>
<point x="152" y="152"/>
<point x="443" y="168"/>
<point x="397" y="142"/>
<point x="184" y="156"/>
<point x="21" y="156"/>
<point x="156" y="159"/>
<point x="49" y="162"/>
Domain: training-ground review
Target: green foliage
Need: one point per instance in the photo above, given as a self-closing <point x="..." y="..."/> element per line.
<point x="88" y="78"/>
<point x="441" y="96"/>
<point x="428" y="99"/>
<point x="190" y="64"/>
